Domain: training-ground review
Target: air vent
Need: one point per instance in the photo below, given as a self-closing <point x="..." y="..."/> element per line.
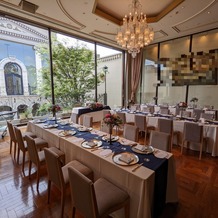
<point x="176" y="29"/>
<point x="28" y="6"/>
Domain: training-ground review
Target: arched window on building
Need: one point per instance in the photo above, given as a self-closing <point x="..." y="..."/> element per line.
<point x="13" y="79"/>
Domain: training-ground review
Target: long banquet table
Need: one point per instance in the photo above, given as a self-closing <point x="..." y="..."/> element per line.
<point x="141" y="185"/>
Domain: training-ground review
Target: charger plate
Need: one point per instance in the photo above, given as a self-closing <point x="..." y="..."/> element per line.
<point x="49" y="126"/>
<point x="125" y="158"/>
<point x="66" y="133"/>
<point x="91" y="144"/>
<point x="113" y="138"/>
<point x="84" y="129"/>
<point x="143" y="149"/>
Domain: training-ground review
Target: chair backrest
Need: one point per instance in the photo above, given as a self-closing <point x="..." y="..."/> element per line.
<point x="133" y="107"/>
<point x="185" y="113"/>
<point x="11" y="131"/>
<point x="165" y="125"/>
<point x="54" y="168"/>
<point x="105" y="112"/>
<point x="164" y="111"/>
<point x="104" y="128"/>
<point x="74" y="117"/>
<point x="207" y="116"/>
<point x="131" y="132"/>
<point x="87" y="121"/>
<point x="160" y="140"/>
<point x="193" y="132"/>
<point x="197" y="113"/>
<point x="32" y="150"/>
<point x="151" y="108"/>
<point x="83" y="193"/>
<point x="122" y="116"/>
<point x="140" y="122"/>
<point x="19" y="138"/>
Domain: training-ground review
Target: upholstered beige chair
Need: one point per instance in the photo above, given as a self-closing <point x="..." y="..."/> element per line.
<point x="36" y="157"/>
<point x="164" y="111"/>
<point x="122" y="116"/>
<point x="193" y="133"/>
<point x="58" y="174"/>
<point x="131" y="132"/>
<point x="104" y="128"/>
<point x="166" y="126"/>
<point x="197" y="113"/>
<point x="160" y="140"/>
<point x="74" y="117"/>
<point x="13" y="139"/>
<point x="22" y="145"/>
<point x="87" y="121"/>
<point x="98" y="199"/>
<point x="207" y="116"/>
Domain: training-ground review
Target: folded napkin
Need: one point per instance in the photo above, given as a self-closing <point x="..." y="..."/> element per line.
<point x="91" y="143"/>
<point x="126" y="158"/>
<point x="126" y="142"/>
<point x="140" y="147"/>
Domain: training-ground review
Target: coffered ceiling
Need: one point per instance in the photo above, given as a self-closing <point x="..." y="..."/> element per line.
<point x="99" y="20"/>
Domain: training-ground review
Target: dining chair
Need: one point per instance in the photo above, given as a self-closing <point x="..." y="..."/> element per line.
<point x="58" y="174"/>
<point x="197" y="113"/>
<point x="164" y="111"/>
<point x="160" y="140"/>
<point x="131" y="132"/>
<point x="87" y="121"/>
<point x="122" y="116"/>
<point x="166" y="126"/>
<point x="207" y="116"/>
<point x="105" y="128"/>
<point x="98" y="199"/>
<point x="74" y="117"/>
<point x="133" y="107"/>
<point x="22" y="145"/>
<point x="151" y="108"/>
<point x="35" y="157"/>
<point x="13" y="139"/>
<point x="193" y="133"/>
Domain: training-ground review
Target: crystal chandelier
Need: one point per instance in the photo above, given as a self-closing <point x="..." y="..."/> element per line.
<point x="135" y="33"/>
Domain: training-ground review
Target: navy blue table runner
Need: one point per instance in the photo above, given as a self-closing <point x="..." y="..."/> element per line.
<point x="89" y="110"/>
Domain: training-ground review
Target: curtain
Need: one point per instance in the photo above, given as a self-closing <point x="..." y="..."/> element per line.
<point x="134" y="69"/>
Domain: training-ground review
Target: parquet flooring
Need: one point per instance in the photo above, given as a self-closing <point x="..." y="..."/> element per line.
<point x="197" y="187"/>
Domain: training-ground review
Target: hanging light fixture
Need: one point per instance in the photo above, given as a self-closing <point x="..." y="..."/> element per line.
<point x="135" y="33"/>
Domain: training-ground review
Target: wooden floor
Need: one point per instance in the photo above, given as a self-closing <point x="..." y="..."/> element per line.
<point x="197" y="187"/>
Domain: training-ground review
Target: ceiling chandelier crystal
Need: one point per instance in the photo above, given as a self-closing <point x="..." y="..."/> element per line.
<point x="135" y="33"/>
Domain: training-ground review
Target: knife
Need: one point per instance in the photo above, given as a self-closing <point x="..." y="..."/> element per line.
<point x="134" y="169"/>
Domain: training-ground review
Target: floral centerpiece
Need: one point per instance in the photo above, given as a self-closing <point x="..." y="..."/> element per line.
<point x="54" y="108"/>
<point x="112" y="119"/>
<point x="95" y="105"/>
<point x="182" y="104"/>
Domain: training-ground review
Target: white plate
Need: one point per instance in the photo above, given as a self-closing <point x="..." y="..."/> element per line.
<point x="160" y="154"/>
<point x="49" y="126"/>
<point x="63" y="123"/>
<point x="66" y="133"/>
<point x="125" y="158"/>
<point x="143" y="149"/>
<point x="113" y="138"/>
<point x="92" y="143"/>
<point x="84" y="129"/>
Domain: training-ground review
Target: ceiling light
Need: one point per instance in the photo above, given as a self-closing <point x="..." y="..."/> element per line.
<point x="135" y="33"/>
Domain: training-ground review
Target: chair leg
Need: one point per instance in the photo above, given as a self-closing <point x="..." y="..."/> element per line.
<point x="24" y="154"/>
<point x="62" y="202"/>
<point x="10" y="146"/>
<point x="18" y="155"/>
<point x="30" y="166"/>
<point x="127" y="206"/>
<point x="15" y="150"/>
<point x="49" y="190"/>
<point x="201" y="148"/>
<point x="74" y="212"/>
<point x="183" y="142"/>
<point x="38" y="175"/>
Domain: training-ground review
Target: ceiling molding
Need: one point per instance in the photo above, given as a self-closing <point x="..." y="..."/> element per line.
<point x="69" y="16"/>
<point x="176" y="26"/>
<point x="150" y="19"/>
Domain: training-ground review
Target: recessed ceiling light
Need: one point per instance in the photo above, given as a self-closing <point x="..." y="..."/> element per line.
<point x="208" y="12"/>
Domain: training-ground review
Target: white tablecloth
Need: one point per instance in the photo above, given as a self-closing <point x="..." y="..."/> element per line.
<point x="138" y="184"/>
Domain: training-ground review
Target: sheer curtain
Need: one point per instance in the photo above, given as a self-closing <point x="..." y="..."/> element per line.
<point x="133" y="68"/>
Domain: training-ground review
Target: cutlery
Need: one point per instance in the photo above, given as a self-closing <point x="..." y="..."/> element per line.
<point x="139" y="165"/>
